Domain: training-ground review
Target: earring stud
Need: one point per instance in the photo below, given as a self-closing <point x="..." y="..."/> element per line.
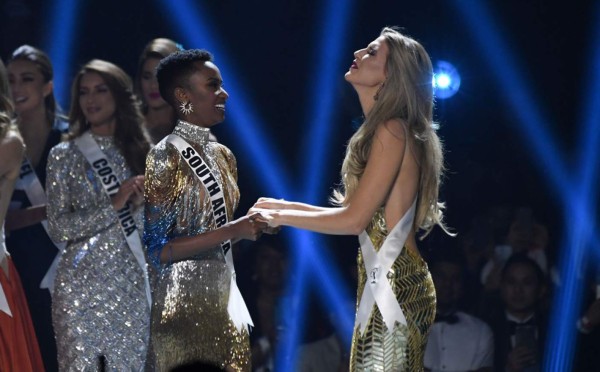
<point x="186" y="108"/>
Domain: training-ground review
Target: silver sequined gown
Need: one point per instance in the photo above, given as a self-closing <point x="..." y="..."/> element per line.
<point x="99" y="305"/>
<point x="190" y="321"/>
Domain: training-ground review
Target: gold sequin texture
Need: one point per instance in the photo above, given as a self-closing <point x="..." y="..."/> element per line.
<point x="190" y="321"/>
<point x="99" y="306"/>
<point x="402" y="349"/>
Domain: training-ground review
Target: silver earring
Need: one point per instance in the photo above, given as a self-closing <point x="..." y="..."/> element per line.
<point x="186" y="108"/>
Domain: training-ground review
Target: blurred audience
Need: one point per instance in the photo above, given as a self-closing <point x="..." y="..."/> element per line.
<point x="518" y="318"/>
<point x="457" y="341"/>
<point x="526" y="236"/>
<point x="263" y="294"/>
<point x="588" y="326"/>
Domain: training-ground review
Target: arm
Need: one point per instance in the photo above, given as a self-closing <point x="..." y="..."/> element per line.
<point x="71" y="216"/>
<point x="188" y="246"/>
<point x="271" y="203"/>
<point x="11" y="153"/>
<point x="20" y="218"/>
<point x="163" y="187"/>
<point x="383" y="167"/>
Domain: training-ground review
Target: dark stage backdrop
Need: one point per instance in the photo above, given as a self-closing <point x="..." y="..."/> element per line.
<point x="272" y="44"/>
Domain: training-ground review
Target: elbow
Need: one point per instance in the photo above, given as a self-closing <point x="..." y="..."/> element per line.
<point x="357" y="227"/>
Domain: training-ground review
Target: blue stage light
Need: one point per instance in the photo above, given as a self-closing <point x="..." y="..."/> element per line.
<point x="330" y="68"/>
<point x="575" y="190"/>
<point x="446" y="80"/>
<point x="196" y="31"/>
<point x="59" y="45"/>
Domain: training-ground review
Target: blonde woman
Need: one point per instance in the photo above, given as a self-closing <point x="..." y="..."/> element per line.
<point x="391" y="176"/>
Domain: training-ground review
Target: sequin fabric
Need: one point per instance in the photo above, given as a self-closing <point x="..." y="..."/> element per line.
<point x="189" y="316"/>
<point x="99" y="308"/>
<point x="403" y="348"/>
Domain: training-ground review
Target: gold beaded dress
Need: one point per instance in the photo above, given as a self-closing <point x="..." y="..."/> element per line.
<point x="190" y="322"/>
<point x="403" y="348"/>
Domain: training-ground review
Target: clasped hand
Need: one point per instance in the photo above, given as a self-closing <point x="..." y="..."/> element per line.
<point x="131" y="190"/>
<point x="267" y="210"/>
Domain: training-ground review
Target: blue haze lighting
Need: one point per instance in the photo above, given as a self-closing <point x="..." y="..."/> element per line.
<point x="446" y="80"/>
<point x="500" y="60"/>
<point x="328" y="72"/>
<point x="575" y="199"/>
<point x="589" y="137"/>
<point x="60" y="46"/>
<point x="195" y="31"/>
<point x="336" y="16"/>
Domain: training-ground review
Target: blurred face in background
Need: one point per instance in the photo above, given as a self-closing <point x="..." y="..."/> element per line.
<point x="149" y="85"/>
<point x="270" y="268"/>
<point x="96" y="100"/>
<point x="27" y="86"/>
<point x="520" y="288"/>
<point x="447" y="279"/>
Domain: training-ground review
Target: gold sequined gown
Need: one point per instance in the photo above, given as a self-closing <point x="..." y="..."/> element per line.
<point x="190" y="321"/>
<point x="99" y="305"/>
<point x="403" y="348"/>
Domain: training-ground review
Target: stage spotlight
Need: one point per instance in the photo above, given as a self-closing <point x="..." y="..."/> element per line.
<point x="446" y="80"/>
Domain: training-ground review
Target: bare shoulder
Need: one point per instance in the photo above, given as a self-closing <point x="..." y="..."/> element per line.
<point x="394" y="129"/>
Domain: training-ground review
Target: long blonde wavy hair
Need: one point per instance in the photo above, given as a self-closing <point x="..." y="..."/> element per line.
<point x="407" y="95"/>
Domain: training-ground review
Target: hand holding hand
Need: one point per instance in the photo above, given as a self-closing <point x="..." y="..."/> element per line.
<point x="267" y="216"/>
<point x="249" y="227"/>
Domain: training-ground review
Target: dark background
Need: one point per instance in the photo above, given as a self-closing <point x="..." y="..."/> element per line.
<point x="271" y="44"/>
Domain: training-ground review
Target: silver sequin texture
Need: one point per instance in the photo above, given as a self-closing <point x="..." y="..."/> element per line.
<point x="189" y="315"/>
<point x="99" y="306"/>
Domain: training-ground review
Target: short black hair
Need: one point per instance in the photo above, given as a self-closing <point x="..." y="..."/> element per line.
<point x="174" y="70"/>
<point x="521" y="258"/>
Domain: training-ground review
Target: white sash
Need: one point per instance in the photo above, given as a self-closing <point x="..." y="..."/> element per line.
<point x="377" y="265"/>
<point x="30" y="183"/>
<point x="3" y="301"/>
<point x="110" y="183"/>
<point x="236" y="307"/>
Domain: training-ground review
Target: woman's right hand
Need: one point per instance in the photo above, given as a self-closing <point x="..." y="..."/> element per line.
<point x="132" y="189"/>
<point x="249" y="227"/>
